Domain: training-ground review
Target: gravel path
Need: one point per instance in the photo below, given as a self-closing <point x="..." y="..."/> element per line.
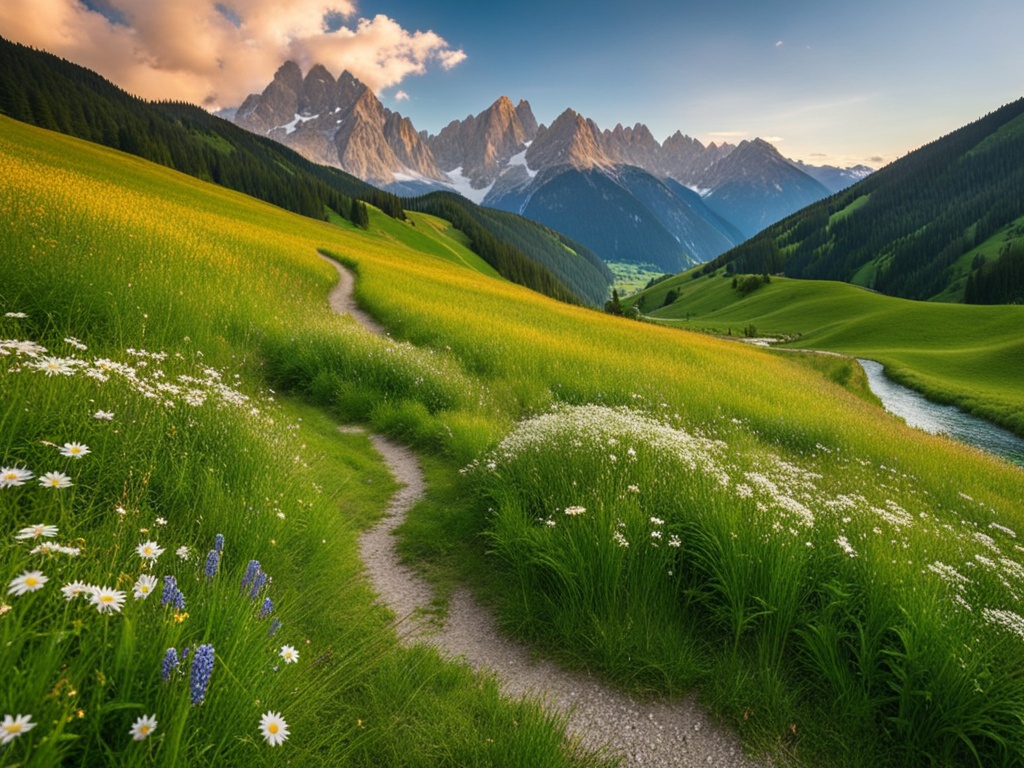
<point x="649" y="733"/>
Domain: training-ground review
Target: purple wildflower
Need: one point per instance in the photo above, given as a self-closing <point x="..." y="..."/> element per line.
<point x="266" y="608"/>
<point x="218" y="542"/>
<point x="212" y="560"/>
<point x="170" y="663"/>
<point x="257" y="585"/>
<point x="202" y="668"/>
<point x="172" y="595"/>
<point x="274" y="626"/>
<point x="250" y="573"/>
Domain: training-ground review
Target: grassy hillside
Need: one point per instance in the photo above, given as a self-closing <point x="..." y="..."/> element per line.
<point x="669" y="509"/>
<point x="914" y="228"/>
<point x="972" y="356"/>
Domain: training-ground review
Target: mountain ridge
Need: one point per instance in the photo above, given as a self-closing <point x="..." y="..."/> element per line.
<point x="501" y="157"/>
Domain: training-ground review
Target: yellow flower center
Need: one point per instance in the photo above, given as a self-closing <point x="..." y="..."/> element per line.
<point x="273" y="728"/>
<point x="106" y="598"/>
<point x="144" y="730"/>
<point x="31" y="581"/>
<point x="13" y="728"/>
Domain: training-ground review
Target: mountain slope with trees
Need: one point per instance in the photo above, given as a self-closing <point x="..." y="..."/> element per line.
<point x="935" y="224"/>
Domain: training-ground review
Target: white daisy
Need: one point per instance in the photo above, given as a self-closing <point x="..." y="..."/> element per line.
<point x="75" y="588"/>
<point x="29" y="581"/>
<point x="55" y="480"/>
<point x="289" y="654"/>
<point x="12" y="727"/>
<point x="35" y="531"/>
<point x="142" y="727"/>
<point x="144" y="586"/>
<point x="18" y="315"/>
<point x="74" y="450"/>
<point x="182" y="552"/>
<point x="54" y="366"/>
<point x="106" y="599"/>
<point x="104" y="415"/>
<point x="274" y="728"/>
<point x="149" y="550"/>
<point x="11" y="476"/>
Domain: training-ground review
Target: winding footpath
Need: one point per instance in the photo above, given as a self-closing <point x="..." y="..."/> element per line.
<point x="650" y="733"/>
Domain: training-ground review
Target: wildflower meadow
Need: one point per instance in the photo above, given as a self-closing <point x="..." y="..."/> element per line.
<point x="678" y="513"/>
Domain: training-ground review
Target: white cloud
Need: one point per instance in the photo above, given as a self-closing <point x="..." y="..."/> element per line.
<point x="401" y="96"/>
<point x="193" y="50"/>
<point x="779" y="43"/>
<point x="773" y="139"/>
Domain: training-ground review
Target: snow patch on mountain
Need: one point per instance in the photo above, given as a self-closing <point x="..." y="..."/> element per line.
<point x="464" y="187"/>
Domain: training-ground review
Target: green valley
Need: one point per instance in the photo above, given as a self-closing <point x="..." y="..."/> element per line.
<point x="971" y="356"/>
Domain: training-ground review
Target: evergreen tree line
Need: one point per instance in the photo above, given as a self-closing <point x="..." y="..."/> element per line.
<point x="1000" y="281"/>
<point x="919" y="215"/>
<point x="44" y="90"/>
<point x="504" y="257"/>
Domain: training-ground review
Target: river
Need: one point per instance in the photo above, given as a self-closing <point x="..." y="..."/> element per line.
<point x="922" y="413"/>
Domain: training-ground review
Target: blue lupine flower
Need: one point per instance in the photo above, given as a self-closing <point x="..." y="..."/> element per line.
<point x="212" y="561"/>
<point x="266" y="608"/>
<point x="250" y="573"/>
<point x="274" y="626"/>
<point x="170" y="663"/>
<point x="218" y="542"/>
<point x="257" y="585"/>
<point x="202" y="668"/>
<point x="172" y="595"/>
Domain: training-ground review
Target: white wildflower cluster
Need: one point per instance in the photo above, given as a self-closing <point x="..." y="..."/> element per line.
<point x="1004" y="619"/>
<point x="142" y="374"/>
<point x="596" y="425"/>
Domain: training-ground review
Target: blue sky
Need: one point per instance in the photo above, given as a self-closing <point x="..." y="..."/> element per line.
<point x="826" y="82"/>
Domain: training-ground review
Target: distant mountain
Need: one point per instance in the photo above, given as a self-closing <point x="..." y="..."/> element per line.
<point x="944" y="222"/>
<point x="340" y="123"/>
<point x="754" y="186"/>
<point x="478" y="148"/>
<point x="832" y="178"/>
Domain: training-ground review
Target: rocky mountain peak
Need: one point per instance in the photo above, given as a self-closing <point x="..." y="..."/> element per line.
<point x="526" y="119"/>
<point x="481" y="146"/>
<point x="338" y="122"/>
<point x="571" y="140"/>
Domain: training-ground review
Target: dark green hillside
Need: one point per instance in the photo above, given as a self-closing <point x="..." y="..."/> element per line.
<point x="491" y="232"/>
<point x="44" y="90"/>
<point x="928" y="226"/>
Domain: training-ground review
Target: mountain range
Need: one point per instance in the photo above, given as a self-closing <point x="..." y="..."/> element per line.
<point x="619" y="192"/>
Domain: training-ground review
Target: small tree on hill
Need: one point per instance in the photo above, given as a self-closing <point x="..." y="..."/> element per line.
<point x="360" y="215"/>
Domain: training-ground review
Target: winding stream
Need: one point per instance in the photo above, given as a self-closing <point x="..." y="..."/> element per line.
<point x="922" y="413"/>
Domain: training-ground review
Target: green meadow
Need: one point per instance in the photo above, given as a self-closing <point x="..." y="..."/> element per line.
<point x="968" y="355"/>
<point x="673" y="511"/>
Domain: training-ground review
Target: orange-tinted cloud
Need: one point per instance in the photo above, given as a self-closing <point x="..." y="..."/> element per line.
<point x="216" y="53"/>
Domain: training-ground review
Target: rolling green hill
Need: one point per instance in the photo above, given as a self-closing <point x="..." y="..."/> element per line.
<point x="972" y="356"/>
<point x="945" y="222"/>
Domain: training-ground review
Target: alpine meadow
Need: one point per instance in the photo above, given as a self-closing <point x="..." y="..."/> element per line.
<point x="189" y="455"/>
